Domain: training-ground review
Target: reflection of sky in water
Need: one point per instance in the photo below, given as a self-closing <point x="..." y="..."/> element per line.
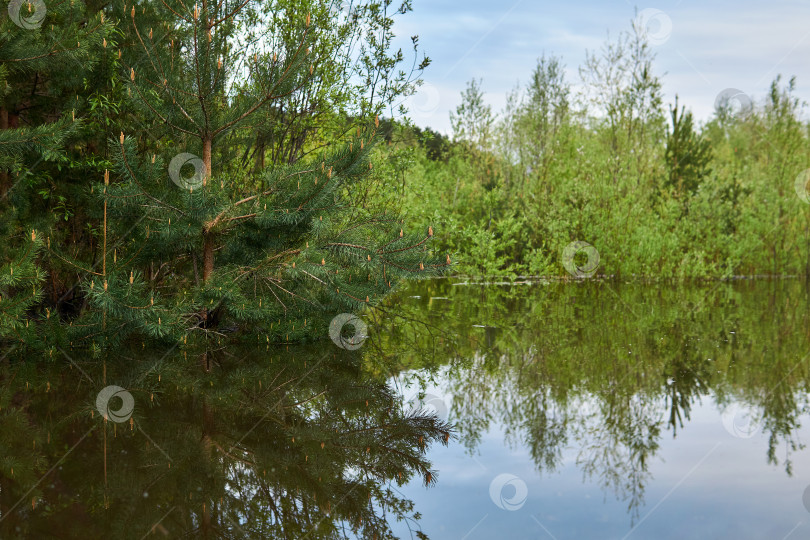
<point x="703" y="484"/>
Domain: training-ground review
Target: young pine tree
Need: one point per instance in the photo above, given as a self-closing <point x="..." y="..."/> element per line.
<point x="191" y="250"/>
<point x="688" y="154"/>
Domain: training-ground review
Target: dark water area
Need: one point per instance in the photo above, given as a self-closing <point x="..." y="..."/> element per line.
<point x="595" y="409"/>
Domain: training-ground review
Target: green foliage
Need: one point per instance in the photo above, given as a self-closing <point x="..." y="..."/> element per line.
<point x="20" y="289"/>
<point x="357" y="74"/>
<point x="603" y="167"/>
<point x="138" y="248"/>
<point x="688" y="154"/>
<point x="44" y="68"/>
<point x="473" y="132"/>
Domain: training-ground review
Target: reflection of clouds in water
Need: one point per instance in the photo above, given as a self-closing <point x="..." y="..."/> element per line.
<point x="556" y="398"/>
<point x="722" y="477"/>
<point x="612" y="437"/>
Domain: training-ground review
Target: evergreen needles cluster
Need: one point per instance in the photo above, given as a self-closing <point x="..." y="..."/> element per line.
<point x="135" y="221"/>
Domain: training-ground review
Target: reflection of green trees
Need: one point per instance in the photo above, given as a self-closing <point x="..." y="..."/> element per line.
<point x="230" y="446"/>
<point x="609" y="368"/>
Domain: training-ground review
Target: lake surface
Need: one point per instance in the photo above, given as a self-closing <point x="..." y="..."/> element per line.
<point x="596" y="409"/>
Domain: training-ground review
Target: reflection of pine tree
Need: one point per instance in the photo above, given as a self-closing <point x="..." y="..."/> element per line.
<point x="277" y="448"/>
<point x="276" y="254"/>
<point x="22" y="460"/>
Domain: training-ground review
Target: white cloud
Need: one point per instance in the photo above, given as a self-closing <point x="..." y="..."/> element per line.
<point x="712" y="46"/>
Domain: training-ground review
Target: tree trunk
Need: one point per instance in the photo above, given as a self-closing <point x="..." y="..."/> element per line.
<point x="208" y="237"/>
<point x="207" y="158"/>
<point x="260" y="148"/>
<point x="208" y="255"/>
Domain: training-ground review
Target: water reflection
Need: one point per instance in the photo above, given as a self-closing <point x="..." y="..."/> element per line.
<point x="229" y="444"/>
<point x="317" y="443"/>
<point x="611" y="371"/>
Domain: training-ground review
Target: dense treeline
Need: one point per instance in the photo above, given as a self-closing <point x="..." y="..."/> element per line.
<point x="614" y="166"/>
<point x="188" y="170"/>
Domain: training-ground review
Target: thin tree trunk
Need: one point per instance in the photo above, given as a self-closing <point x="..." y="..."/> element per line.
<point x="208" y="255"/>
<point x="207" y="159"/>
<point x="208" y="432"/>
<point x="259" y="162"/>
<point x="208" y="237"/>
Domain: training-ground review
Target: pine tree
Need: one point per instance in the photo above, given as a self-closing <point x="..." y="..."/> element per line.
<point x="473" y="126"/>
<point x="45" y="53"/>
<point x="688" y="154"/>
<point x="275" y="254"/>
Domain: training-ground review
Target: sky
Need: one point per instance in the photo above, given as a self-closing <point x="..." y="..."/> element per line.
<point x="702" y="48"/>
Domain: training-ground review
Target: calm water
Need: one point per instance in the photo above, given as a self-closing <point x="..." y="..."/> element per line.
<point x="580" y="410"/>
